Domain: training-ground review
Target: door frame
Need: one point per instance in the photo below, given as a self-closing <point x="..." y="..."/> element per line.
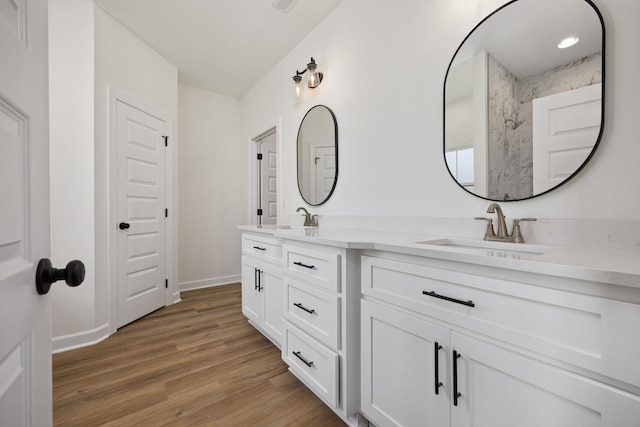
<point x="253" y="172"/>
<point x="116" y="95"/>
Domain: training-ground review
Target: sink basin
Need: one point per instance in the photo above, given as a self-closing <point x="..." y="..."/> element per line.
<point x="504" y="249"/>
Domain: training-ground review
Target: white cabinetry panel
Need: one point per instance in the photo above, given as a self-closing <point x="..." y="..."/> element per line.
<point x="398" y="368"/>
<point x="313" y="310"/>
<point x="503" y="388"/>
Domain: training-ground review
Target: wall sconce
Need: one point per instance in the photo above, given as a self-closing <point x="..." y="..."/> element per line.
<point x="314" y="78"/>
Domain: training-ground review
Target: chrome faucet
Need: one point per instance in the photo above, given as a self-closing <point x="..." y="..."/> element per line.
<point x="502" y="225"/>
<point x="309" y="220"/>
<point x="503" y="235"/>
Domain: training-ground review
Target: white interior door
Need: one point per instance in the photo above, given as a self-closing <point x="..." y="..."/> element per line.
<point x="323" y="171"/>
<point x="25" y="316"/>
<point x="140" y="193"/>
<point x="565" y="129"/>
<point x="269" y="179"/>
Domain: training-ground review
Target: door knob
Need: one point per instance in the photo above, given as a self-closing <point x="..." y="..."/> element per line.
<point x="124" y="225"/>
<point x="73" y="274"/>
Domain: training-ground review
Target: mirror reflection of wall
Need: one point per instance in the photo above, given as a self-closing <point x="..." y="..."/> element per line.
<point x="317" y="155"/>
<point x="507" y="68"/>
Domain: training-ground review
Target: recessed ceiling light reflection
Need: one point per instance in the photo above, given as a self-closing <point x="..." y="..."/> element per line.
<point x="568" y="42"/>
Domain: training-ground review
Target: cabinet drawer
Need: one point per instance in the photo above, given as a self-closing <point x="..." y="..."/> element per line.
<point x="313" y="363"/>
<point x="578" y="329"/>
<point x="313" y="310"/>
<point x="314" y="267"/>
<point x="267" y="248"/>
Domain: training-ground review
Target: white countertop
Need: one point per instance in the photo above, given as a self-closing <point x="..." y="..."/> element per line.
<point x="602" y="263"/>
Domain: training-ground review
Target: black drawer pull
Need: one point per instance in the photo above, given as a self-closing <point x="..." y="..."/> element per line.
<point x="311" y="267"/>
<point x="305" y="361"/>
<point x="456" y="394"/>
<point x="457" y="301"/>
<point x="436" y="349"/>
<point x="302" y="307"/>
<point x="259" y="248"/>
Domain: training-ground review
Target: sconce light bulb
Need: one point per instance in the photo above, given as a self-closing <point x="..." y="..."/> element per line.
<point x="312" y="81"/>
<point x="297" y="85"/>
<point x="314" y="78"/>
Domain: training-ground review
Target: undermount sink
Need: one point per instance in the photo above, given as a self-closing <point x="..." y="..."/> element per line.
<point x="504" y="249"/>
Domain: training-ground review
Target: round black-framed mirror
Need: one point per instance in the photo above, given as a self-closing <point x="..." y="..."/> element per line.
<point x="317" y="155"/>
<point x="509" y="84"/>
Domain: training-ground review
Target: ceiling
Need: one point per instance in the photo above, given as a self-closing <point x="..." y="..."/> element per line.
<point x="523" y="35"/>
<point x="217" y="45"/>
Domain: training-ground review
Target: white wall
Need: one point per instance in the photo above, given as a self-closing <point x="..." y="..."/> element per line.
<point x="71" y="99"/>
<point x="91" y="52"/>
<point x="125" y="63"/>
<point x="212" y="186"/>
<point x="384" y="67"/>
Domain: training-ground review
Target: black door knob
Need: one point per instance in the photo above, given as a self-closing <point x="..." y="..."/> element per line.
<point x="124" y="225"/>
<point x="73" y="274"/>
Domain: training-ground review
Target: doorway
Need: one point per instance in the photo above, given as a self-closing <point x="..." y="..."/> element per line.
<point x="265" y="172"/>
<point x="138" y="198"/>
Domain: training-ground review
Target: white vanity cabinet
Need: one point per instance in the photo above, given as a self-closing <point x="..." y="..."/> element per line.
<point x="401" y="355"/>
<point x="262" y="295"/>
<point x="509" y="348"/>
<point x="321" y="310"/>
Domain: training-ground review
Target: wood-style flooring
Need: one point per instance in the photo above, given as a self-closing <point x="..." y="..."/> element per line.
<point x="195" y="363"/>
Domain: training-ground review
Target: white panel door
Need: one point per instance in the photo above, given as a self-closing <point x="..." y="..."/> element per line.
<point x="140" y="213"/>
<point x="25" y="317"/>
<point x="269" y="180"/>
<point x="323" y="171"/>
<point x="565" y="129"/>
<point x="501" y="388"/>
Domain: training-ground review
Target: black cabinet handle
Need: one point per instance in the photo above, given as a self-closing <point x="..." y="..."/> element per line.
<point x="457" y="301"/>
<point x="310" y="267"/>
<point x="259" y="248"/>
<point x="436" y="349"/>
<point x="456" y="394"/>
<point x="305" y="361"/>
<point x="124" y="225"/>
<point x="257" y="280"/>
<point x="302" y="307"/>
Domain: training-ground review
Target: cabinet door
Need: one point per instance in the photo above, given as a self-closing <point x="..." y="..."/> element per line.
<point x="271" y="284"/>
<point x="502" y="388"/>
<point x="252" y="300"/>
<point x="399" y="369"/>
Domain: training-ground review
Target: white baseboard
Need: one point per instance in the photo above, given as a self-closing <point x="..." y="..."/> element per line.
<point x="206" y="283"/>
<point x="79" y="339"/>
<point x="176" y="298"/>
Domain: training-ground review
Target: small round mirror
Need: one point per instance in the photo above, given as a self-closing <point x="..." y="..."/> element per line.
<point x="317" y="155"/>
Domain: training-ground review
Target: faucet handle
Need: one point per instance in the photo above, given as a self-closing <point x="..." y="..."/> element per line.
<point x="515" y="233"/>
<point x="314" y="220"/>
<point x="490" y="232"/>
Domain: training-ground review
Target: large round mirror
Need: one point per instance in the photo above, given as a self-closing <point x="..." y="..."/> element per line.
<point x="523" y="106"/>
<point x="317" y="155"/>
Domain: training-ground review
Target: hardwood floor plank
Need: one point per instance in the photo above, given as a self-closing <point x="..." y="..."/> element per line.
<point x="196" y="363"/>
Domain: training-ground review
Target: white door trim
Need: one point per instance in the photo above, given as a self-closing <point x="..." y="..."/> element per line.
<point x="253" y="172"/>
<point x="116" y="95"/>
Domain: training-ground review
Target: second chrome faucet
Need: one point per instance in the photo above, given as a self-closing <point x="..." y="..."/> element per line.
<point x="503" y="235"/>
<point x="309" y="220"/>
